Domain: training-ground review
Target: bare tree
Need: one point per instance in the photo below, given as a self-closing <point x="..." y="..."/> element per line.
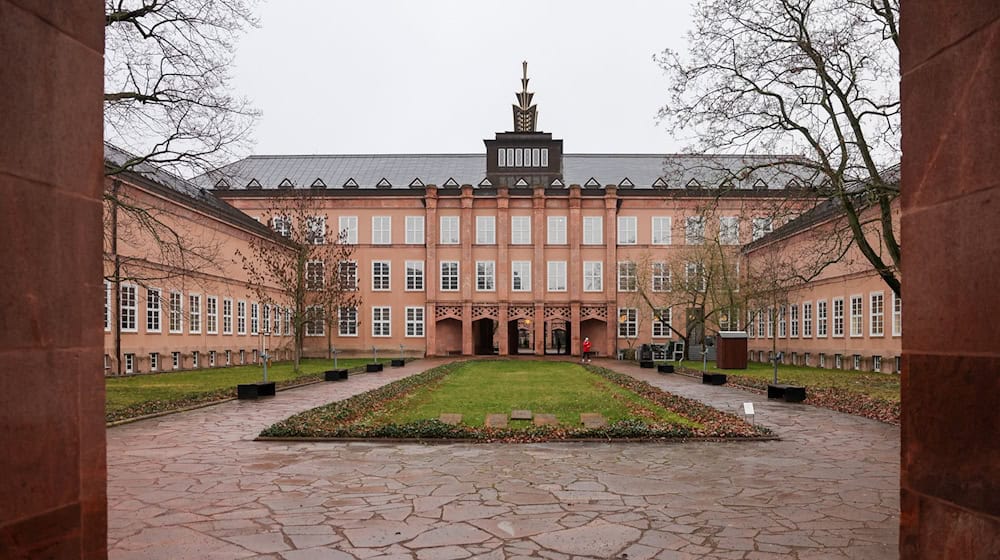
<point x="306" y="270"/>
<point x="769" y="277"/>
<point x="819" y="77"/>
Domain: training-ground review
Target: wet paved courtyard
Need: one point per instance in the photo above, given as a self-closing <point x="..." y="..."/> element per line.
<point x="196" y="485"/>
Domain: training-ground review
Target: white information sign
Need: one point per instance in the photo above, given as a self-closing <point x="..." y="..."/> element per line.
<point x="748" y="408"/>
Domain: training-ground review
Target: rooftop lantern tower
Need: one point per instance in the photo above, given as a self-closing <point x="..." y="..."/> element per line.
<point x="524" y="158"/>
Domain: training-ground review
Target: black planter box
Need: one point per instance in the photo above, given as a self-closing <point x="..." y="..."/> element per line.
<point x="398" y="363"/>
<point x="254" y="390"/>
<point x="790" y="393"/>
<point x="335" y="375"/>
<point x="713" y="378"/>
<point x="665" y="368"/>
<point x="372" y="368"/>
<point x="648" y="364"/>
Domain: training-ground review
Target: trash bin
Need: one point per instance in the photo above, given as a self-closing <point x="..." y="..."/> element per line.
<point x="731" y="350"/>
<point x="645" y="353"/>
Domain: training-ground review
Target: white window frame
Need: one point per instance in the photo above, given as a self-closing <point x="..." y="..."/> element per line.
<point x="381" y="279"/>
<point x="520" y="230"/>
<point x="194" y="313"/>
<point x="347" y="275"/>
<point x="415" y="318"/>
<point x="154" y="309"/>
<point x="761" y="227"/>
<point x="265" y="318"/>
<point x="770" y="322"/>
<point x="315" y="323"/>
<point x="381" y="230"/>
<point x="694" y="230"/>
<point x="414" y="276"/>
<point x="807" y="318"/>
<point x="793" y="320"/>
<point x="347" y="229"/>
<point x="108" y="296"/>
<point x="628" y="233"/>
<point x="520" y="270"/>
<point x="414" y="230"/>
<point x="282" y="225"/>
<point x="897" y="315"/>
<point x="276" y="320"/>
<point x="227" y="315"/>
<point x="229" y="358"/>
<point x="660" y="277"/>
<point x="877" y="363"/>
<point x="175" y="358"/>
<point x="555" y="276"/>
<point x="857" y="316"/>
<point x="454" y="278"/>
<point x="629" y="328"/>
<point x="876" y="314"/>
<point x="593" y="230"/>
<point x="315" y="230"/>
<point x="661" y="329"/>
<point x="729" y="230"/>
<point x="628" y="276"/>
<point x="822" y="318"/>
<point x="129" y="362"/>
<point x="254" y="319"/>
<point x="241" y="317"/>
<point x="175" y="310"/>
<point x="486" y="276"/>
<point x="381" y="321"/>
<point x="346" y="324"/>
<point x="154" y="361"/>
<point x="486" y="230"/>
<point x="195" y="359"/>
<point x="782" y="321"/>
<point x="315" y="274"/>
<point x="593" y="276"/>
<point x="661" y="230"/>
<point x="838" y="328"/>
<point x="556" y="230"/>
<point x="695" y="269"/>
<point x="449" y="232"/>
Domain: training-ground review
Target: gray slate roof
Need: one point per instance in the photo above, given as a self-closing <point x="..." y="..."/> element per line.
<point x="401" y="169"/>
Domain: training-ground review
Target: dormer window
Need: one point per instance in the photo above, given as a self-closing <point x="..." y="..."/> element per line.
<point x="522" y="157"/>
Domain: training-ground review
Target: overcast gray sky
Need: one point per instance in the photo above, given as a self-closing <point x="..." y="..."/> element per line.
<point x="394" y="76"/>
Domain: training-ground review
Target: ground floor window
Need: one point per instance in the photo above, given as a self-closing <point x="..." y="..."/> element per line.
<point x="628" y="323"/>
<point x="154" y="361"/>
<point x="194" y="359"/>
<point x="381" y="321"/>
<point x="347" y="321"/>
<point x="129" y="363"/>
<point x="176" y="357"/>
<point x="806" y="358"/>
<point x="314" y="321"/>
<point x="229" y="357"/>
<point x="899" y="365"/>
<point x="661" y="323"/>
<point x="822" y="360"/>
<point x="876" y="363"/>
<point x="211" y="358"/>
<point x="838" y="361"/>
<point x="414" y="321"/>
<point x="243" y="357"/>
<point x="857" y="361"/>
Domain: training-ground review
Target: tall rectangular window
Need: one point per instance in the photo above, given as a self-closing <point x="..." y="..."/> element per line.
<point x="212" y="315"/>
<point x="761" y="317"/>
<point x="107" y="305"/>
<point x="628" y="323"/>
<point x="485" y="276"/>
<point x="194" y="314"/>
<point x="694" y="230"/>
<point x="414" y="321"/>
<point x="593" y="276"/>
<point x="897" y="315"/>
<point x="627" y="230"/>
<point x="782" y="324"/>
<point x="381" y="230"/>
<point x="729" y="230"/>
<point x="520" y="276"/>
<point x="415" y="230"/>
<point x="414" y="276"/>
<point x="807" y="318"/>
<point x="227" y="316"/>
<point x="627" y="277"/>
<point x="276" y="320"/>
<point x="660" y="276"/>
<point x="347" y="321"/>
<point x="315" y="325"/>
<point x="857" y="311"/>
<point x="381" y="321"/>
<point x="380" y="276"/>
<point x="520" y="230"/>
<point x="793" y="316"/>
<point x="241" y="317"/>
<point x="316" y="230"/>
<point x="557" y="230"/>
<point x="348" y="276"/>
<point x="348" y="228"/>
<point x="265" y="318"/>
<point x="661" y="230"/>
<point x="176" y="320"/>
<point x="486" y="232"/>
<point x="751" y="324"/>
<point x="761" y="227"/>
<point x="288" y="322"/>
<point x="154" y="361"/>
<point x="282" y="225"/>
<point x="130" y="363"/>
<point x="449" y="276"/>
<point x="501" y="158"/>
<point x="694" y="276"/>
<point x="821" y="319"/>
<point x="152" y="310"/>
<point x="254" y="319"/>
<point x="876" y="311"/>
<point x="315" y="275"/>
<point x="770" y="322"/>
<point x="838" y="317"/>
<point x="127" y="307"/>
<point x="661" y="323"/>
<point x="593" y="230"/>
<point x="557" y="276"/>
<point x="448" y="232"/>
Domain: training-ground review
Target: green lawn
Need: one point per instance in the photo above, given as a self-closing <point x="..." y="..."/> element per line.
<point x="476" y="389"/>
<point x="123" y="392"/>
<point x="878" y="385"/>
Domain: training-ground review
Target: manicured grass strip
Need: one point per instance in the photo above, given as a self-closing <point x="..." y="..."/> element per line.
<point x="868" y="394"/>
<point x="357" y="416"/>
<point x="139" y="395"/>
<point x="561" y="388"/>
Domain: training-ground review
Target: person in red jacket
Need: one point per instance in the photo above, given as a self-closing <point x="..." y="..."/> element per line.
<point x="586" y="349"/>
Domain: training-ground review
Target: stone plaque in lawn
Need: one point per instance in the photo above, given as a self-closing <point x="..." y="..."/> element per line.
<point x="593" y="420"/>
<point x="451" y="419"/>
<point x="496" y="420"/>
<point x="520" y="415"/>
<point x="546" y="420"/>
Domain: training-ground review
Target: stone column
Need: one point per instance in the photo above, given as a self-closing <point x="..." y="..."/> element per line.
<point x="432" y="269"/>
<point x="538" y="265"/>
<point x="539" y="329"/>
<point x="611" y="265"/>
<point x="467" y="277"/>
<point x="467" y="347"/>
<point x="502" y="329"/>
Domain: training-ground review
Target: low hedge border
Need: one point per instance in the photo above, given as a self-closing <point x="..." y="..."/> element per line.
<point x="833" y="398"/>
<point x="346" y="419"/>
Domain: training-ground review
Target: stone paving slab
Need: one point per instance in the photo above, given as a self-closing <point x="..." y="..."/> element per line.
<point x="546" y="420"/>
<point x="496" y="421"/>
<point x="451" y="419"/>
<point x="520" y="415"/>
<point x="593" y="420"/>
<point x="196" y="485"/>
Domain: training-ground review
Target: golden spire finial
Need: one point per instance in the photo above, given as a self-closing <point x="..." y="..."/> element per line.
<point x="524" y="112"/>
